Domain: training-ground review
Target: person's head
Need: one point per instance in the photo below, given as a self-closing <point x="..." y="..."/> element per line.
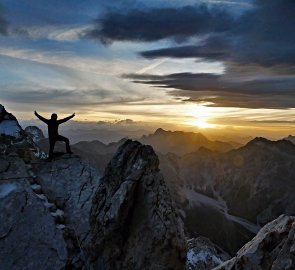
<point x="54" y="116"/>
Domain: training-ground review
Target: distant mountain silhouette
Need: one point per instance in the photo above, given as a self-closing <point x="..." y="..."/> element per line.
<point x="180" y="142"/>
<point x="241" y="190"/>
<point x="290" y="138"/>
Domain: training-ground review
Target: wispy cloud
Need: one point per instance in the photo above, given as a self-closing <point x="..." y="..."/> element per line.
<point x="62" y="33"/>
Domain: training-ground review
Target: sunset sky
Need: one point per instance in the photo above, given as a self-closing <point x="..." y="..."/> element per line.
<point x="194" y="65"/>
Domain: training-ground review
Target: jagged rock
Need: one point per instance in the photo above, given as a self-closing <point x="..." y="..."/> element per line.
<point x="133" y="221"/>
<point x="15" y="141"/>
<point x="70" y="184"/>
<point x="28" y="237"/>
<point x="9" y="125"/>
<point x="204" y="255"/>
<point x="272" y="248"/>
<point x="35" y="133"/>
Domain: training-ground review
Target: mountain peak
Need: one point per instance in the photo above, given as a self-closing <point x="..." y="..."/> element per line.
<point x="133" y="220"/>
<point x="160" y="131"/>
<point x="259" y="141"/>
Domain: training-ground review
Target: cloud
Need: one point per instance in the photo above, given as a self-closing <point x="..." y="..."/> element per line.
<point x="186" y="52"/>
<point x="160" y="23"/>
<point x="60" y="33"/>
<point x="257" y="49"/>
<point x="264" y="34"/>
<point x="3" y="23"/>
<point x="220" y="90"/>
<point x="64" y="97"/>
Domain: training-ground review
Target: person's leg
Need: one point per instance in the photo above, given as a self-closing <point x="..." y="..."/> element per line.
<point x="51" y="148"/>
<point x="67" y="141"/>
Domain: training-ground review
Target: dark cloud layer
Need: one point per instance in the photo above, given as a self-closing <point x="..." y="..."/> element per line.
<point x="257" y="49"/>
<point x="219" y="90"/>
<point x="209" y="52"/>
<point x="264" y="35"/>
<point x="159" y="23"/>
<point x="3" y="23"/>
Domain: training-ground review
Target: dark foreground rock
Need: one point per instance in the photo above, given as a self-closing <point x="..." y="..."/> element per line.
<point x="29" y="238"/>
<point x="272" y="248"/>
<point x="69" y="183"/>
<point x="44" y="206"/>
<point x="134" y="224"/>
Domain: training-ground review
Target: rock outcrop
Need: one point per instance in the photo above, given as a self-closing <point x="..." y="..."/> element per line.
<point x="204" y="255"/>
<point x="35" y="133"/>
<point x="14" y="140"/>
<point x="272" y="248"/>
<point x="29" y="238"/>
<point x="44" y="206"/>
<point x="133" y="221"/>
<point x="69" y="183"/>
<point x="9" y="125"/>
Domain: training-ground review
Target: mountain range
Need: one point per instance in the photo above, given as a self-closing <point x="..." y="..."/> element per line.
<point x="128" y="205"/>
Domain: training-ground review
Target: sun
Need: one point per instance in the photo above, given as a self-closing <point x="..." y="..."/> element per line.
<point x="202" y="123"/>
<point x="200" y="116"/>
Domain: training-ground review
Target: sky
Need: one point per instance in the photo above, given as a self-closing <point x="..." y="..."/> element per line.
<point x="223" y="66"/>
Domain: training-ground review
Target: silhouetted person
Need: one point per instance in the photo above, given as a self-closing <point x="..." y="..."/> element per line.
<point x="53" y="135"/>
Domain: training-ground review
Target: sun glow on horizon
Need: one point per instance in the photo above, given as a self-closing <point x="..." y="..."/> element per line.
<point x="200" y="116"/>
<point x="202" y="123"/>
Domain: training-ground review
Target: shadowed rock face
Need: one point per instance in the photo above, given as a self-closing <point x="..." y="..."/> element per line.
<point x="235" y="192"/>
<point x="69" y="183"/>
<point x="272" y="248"/>
<point x="44" y="206"/>
<point x="29" y="238"/>
<point x="133" y="221"/>
<point x="35" y="133"/>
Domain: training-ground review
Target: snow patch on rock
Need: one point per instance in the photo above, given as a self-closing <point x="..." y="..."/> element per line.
<point x="10" y="127"/>
<point x="35" y="133"/>
<point x="6" y="189"/>
<point x="202" y="256"/>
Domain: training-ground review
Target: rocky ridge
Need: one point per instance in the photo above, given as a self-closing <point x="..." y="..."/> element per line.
<point x="45" y="206"/>
<point x="180" y="142"/>
<point x="238" y="191"/>
<point x="48" y="205"/>
<point x="29" y="238"/>
<point x="133" y="221"/>
<point x="272" y="248"/>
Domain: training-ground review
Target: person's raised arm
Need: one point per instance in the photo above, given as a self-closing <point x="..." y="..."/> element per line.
<point x="41" y="118"/>
<point x="66" y="119"/>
